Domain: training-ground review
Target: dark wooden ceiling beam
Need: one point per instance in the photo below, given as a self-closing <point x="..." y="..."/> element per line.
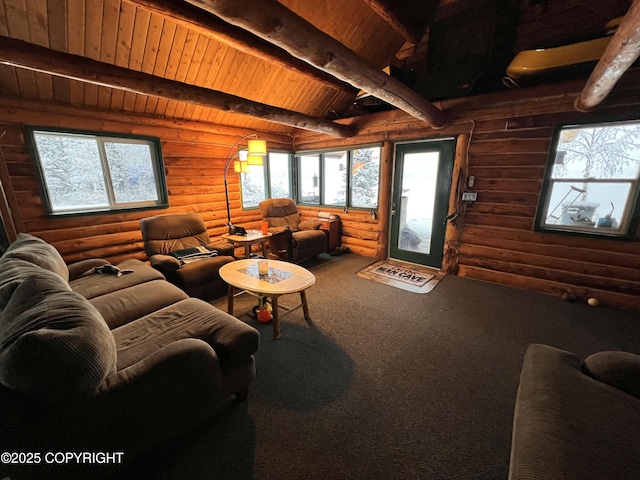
<point x="622" y="51"/>
<point x="40" y="59"/>
<point x="274" y="23"/>
<point x="213" y="27"/>
<point x="390" y="14"/>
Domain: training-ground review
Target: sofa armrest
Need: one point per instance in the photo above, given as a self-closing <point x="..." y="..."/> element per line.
<point x="164" y="263"/>
<point x="223" y="247"/>
<point x="568" y="425"/>
<point x="309" y="225"/>
<point x="280" y="241"/>
<point x="77" y="269"/>
<point x="621" y="370"/>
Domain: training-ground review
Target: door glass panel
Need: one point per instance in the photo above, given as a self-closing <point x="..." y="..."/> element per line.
<point x="419" y="175"/>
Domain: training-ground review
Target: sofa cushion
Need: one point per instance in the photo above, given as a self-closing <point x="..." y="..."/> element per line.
<point x="54" y="345"/>
<point x="95" y="284"/>
<point x="37" y="251"/>
<point x="621" y="370"/>
<point x="129" y="304"/>
<point x="233" y="340"/>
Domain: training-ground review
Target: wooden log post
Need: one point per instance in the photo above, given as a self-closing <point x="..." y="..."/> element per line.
<point x="458" y="179"/>
<point x="384" y="204"/>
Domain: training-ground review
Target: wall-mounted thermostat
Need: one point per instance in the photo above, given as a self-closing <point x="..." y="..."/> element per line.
<point x="469" y="196"/>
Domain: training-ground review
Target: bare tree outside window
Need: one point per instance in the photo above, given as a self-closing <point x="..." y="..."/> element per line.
<point x="592" y="182"/>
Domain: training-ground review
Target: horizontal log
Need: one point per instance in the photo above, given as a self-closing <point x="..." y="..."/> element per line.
<point x="359" y="250"/>
<point x="516" y="210"/>
<point x="111" y="254"/>
<point x="216" y="192"/>
<point x="20" y="54"/>
<point x="191" y="172"/>
<point x="577" y="266"/>
<point x="508" y="160"/>
<point x="367" y="227"/>
<point x="557" y="289"/>
<point x="553" y="239"/>
<point x="216" y="153"/>
<point x="30" y="112"/>
<point x="623" y="49"/>
<point x="503" y="134"/>
<point x="87" y="231"/>
<point x="361" y="234"/>
<point x="501" y="221"/>
<point x="507" y="172"/>
<point x="571" y="278"/>
<point x="102" y="242"/>
<point x="538" y="119"/>
<point x="508" y="185"/>
<point x="357" y="241"/>
<point x="509" y="146"/>
<point x="278" y="25"/>
<point x="595" y="257"/>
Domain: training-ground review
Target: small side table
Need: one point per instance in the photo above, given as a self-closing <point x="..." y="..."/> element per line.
<point x="251" y="238"/>
<point x="332" y="228"/>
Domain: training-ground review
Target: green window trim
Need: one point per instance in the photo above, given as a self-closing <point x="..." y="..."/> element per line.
<point x="84" y="172"/>
<point x="346" y="178"/>
<point x="592" y="181"/>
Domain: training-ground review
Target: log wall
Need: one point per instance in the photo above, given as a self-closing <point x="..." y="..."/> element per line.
<point x="509" y="137"/>
<point x="194" y="156"/>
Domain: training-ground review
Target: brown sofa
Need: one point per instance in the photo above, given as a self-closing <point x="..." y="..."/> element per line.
<point x="170" y="241"/>
<point x="292" y="239"/>
<point x="96" y="360"/>
<point x="577" y="420"/>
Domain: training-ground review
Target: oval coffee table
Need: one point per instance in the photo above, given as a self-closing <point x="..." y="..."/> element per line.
<point x="283" y="278"/>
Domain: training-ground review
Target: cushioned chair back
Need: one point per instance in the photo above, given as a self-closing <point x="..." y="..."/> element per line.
<point x="174" y="231"/>
<point x="281" y="212"/>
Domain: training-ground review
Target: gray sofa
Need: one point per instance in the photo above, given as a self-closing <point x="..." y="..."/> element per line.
<point x="96" y="360"/>
<point x="577" y="420"/>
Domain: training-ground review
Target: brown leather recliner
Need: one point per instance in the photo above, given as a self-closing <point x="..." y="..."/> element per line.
<point x="171" y="241"/>
<point x="292" y="239"/>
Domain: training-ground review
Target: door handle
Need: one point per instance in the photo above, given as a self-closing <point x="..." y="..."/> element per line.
<point x="393" y="212"/>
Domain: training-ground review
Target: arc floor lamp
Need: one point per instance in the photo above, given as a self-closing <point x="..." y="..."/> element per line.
<point x="242" y="160"/>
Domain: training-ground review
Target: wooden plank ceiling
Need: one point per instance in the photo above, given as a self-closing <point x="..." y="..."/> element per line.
<point x="177" y="41"/>
<point x="195" y="43"/>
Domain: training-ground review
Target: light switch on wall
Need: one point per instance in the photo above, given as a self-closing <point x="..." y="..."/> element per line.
<point x="469" y="196"/>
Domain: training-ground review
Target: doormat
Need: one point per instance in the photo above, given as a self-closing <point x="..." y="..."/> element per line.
<point x="413" y="278"/>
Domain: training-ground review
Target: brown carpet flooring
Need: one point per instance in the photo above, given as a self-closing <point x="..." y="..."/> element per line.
<point x="388" y="384"/>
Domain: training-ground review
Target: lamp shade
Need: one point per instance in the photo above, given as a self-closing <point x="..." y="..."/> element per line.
<point x="257" y="147"/>
<point x="240" y="167"/>
<point x="253" y="159"/>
